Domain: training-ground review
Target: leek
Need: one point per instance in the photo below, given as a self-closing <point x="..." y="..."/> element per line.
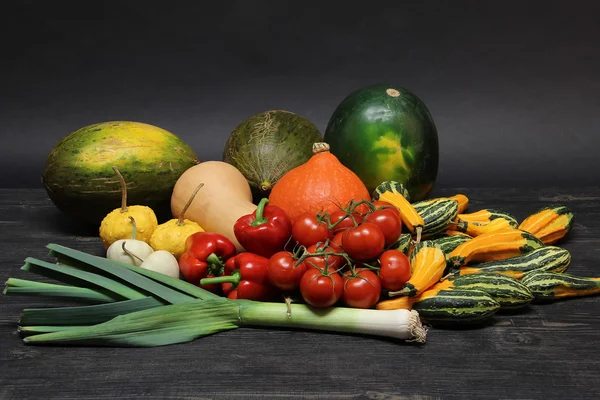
<point x="85" y="315"/>
<point x="184" y="322"/>
<point x="31" y="288"/>
<point x="158" y="310"/>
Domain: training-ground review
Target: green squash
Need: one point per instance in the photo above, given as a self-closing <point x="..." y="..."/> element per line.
<point x="267" y="145"/>
<point x="80" y="181"/>
<point x="386" y="133"/>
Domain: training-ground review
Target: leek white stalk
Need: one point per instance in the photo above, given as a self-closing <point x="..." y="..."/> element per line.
<point x="399" y="324"/>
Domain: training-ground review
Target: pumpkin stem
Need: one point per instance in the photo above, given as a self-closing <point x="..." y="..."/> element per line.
<point x="134" y="228"/>
<point x="320" y="147"/>
<point x="123" y="189"/>
<point x="187" y="205"/>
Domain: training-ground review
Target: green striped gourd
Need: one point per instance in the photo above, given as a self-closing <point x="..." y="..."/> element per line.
<point x="449" y="243"/>
<point x="456" y="306"/>
<point x="508" y="292"/>
<point x="437" y="215"/>
<point x="548" y="258"/>
<point x="552" y="286"/>
<point x="402" y="244"/>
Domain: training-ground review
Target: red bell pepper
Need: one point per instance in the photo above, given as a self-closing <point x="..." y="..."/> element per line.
<point x="205" y="256"/>
<point x="264" y="232"/>
<point x="244" y="277"/>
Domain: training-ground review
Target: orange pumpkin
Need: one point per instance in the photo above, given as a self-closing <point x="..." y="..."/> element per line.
<point x="322" y="183"/>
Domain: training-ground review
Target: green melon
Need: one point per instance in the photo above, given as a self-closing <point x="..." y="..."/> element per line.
<point x="79" y="179"/>
<point x="267" y="145"/>
<point x="386" y="133"/>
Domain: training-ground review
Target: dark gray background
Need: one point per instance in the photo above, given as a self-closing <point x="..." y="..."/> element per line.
<point x="514" y="87"/>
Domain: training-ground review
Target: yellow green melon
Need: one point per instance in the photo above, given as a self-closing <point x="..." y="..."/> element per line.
<point x="80" y="181"/>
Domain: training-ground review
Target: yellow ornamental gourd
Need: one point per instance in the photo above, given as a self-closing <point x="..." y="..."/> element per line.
<point x="427" y="264"/>
<point x="117" y="224"/>
<point x="549" y="224"/>
<point x="171" y="235"/>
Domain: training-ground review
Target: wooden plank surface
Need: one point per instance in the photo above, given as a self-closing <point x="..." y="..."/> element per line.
<point x="548" y="351"/>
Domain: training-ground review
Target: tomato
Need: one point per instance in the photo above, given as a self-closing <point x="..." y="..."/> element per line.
<point x="387" y="206"/>
<point x="394" y="269"/>
<point x="361" y="290"/>
<point x="282" y="273"/>
<point x="321" y="289"/>
<point x="346" y="220"/>
<point x="389" y="223"/>
<point x="337" y="240"/>
<point x="320" y="262"/>
<point x="364" y="242"/>
<point x="308" y="230"/>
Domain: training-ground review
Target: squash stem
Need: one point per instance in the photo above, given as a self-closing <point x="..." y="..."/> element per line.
<point x="187" y="205"/>
<point x="130" y="253"/>
<point x="134" y="228"/>
<point x="123" y="189"/>
<point x="259" y="218"/>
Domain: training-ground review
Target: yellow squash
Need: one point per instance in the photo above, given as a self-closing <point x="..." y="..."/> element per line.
<point x="474" y="229"/>
<point x="427" y="264"/>
<point x="171" y="235"/>
<point x="395" y="194"/>
<point x="549" y="224"/>
<point x="117" y="224"/>
<point x="462" y="200"/>
<point x="494" y="246"/>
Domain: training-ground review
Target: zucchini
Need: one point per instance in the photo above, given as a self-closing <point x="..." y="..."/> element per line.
<point x="552" y="286"/>
<point x="456" y="306"/>
<point x="548" y="258"/>
<point x="507" y="291"/>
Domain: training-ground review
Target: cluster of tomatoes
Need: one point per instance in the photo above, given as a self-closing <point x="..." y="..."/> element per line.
<point x="346" y="255"/>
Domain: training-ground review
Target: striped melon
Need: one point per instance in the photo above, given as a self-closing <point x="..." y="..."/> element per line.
<point x="80" y="181"/>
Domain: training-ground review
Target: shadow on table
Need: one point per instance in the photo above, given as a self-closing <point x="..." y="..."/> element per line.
<point x="58" y="221"/>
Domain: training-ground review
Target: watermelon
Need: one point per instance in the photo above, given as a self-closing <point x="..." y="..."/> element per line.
<point x="80" y="181"/>
<point x="386" y="133"/>
<point x="267" y="145"/>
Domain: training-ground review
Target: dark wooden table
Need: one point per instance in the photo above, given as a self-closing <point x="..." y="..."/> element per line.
<point x="548" y="352"/>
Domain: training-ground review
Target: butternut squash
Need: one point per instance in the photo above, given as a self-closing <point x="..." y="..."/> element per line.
<point x="224" y="198"/>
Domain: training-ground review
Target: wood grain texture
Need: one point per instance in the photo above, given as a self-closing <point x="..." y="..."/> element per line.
<point x="549" y="351"/>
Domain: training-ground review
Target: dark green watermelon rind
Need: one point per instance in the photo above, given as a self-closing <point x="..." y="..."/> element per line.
<point x="367" y="116"/>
